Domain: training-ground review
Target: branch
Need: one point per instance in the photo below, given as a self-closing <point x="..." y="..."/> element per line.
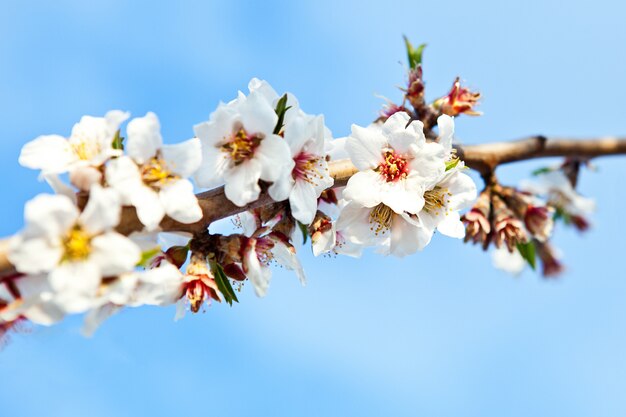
<point x="483" y="158"/>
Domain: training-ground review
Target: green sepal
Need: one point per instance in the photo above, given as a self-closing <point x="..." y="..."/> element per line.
<point x="118" y="141"/>
<point x="281" y="109"/>
<point x="541" y="171"/>
<point x="223" y="283"/>
<point x="305" y="232"/>
<point x="451" y="164"/>
<point x="147" y="255"/>
<point x="414" y="54"/>
<point x="527" y="250"/>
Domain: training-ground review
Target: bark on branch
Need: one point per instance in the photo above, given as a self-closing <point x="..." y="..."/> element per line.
<point x="483" y="158"/>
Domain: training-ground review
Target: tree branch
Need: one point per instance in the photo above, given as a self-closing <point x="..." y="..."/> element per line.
<point x="483" y="158"/>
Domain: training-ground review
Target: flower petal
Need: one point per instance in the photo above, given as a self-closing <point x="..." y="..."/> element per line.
<point x="114" y="253"/>
<point x="180" y="202"/>
<point x="275" y="157"/>
<point x="242" y="182"/>
<point x="184" y="158"/>
<point x="49" y="153"/>
<point x="365" y="146"/>
<point x="144" y="137"/>
<point x="303" y="202"/>
<point x="102" y="211"/>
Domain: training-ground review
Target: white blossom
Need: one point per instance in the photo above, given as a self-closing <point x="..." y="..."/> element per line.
<point x="89" y="146"/>
<point x="239" y="148"/>
<point x="153" y="177"/>
<point x="70" y="250"/>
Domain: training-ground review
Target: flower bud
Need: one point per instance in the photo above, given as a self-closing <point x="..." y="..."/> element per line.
<point x="415" y="89"/>
<point x="460" y="100"/>
<point x="508" y="229"/>
<point x="477" y="226"/>
<point x="539" y="221"/>
<point x="551" y="266"/>
<point x="177" y="255"/>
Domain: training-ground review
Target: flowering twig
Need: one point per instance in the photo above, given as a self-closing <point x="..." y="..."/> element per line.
<point x="483" y="158"/>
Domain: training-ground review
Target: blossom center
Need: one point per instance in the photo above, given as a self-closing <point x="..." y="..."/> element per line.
<point x="196" y="293"/>
<point x="393" y="167"/>
<point x="308" y="168"/>
<point x="436" y="199"/>
<point x="381" y="218"/>
<point x="86" y="149"/>
<point x="241" y="146"/>
<point x="156" y="173"/>
<point x="76" y="245"/>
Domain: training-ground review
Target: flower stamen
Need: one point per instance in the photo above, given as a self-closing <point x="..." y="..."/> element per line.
<point x="241" y="146"/>
<point x="76" y="245"/>
<point x="381" y="218"/>
<point x="394" y="166"/>
<point x="436" y="199"/>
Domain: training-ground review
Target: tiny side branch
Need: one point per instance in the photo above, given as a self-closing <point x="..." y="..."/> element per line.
<point x="483" y="158"/>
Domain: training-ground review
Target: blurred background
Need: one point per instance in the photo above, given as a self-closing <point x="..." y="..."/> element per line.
<point x="440" y="333"/>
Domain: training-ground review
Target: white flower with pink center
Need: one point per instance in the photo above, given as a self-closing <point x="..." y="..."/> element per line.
<point x="239" y="148"/>
<point x="395" y="164"/>
<point x="309" y="177"/>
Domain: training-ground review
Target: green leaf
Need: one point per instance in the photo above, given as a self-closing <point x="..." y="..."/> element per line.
<point x="414" y="55"/>
<point x="118" y="141"/>
<point x="452" y="163"/>
<point x="147" y="255"/>
<point x="305" y="232"/>
<point x="527" y="250"/>
<point x="541" y="171"/>
<point x="223" y="283"/>
<point x="281" y="109"/>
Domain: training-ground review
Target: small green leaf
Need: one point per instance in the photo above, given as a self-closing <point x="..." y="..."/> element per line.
<point x="147" y="255"/>
<point x="305" y="232"/>
<point x="281" y="109"/>
<point x="561" y="214"/>
<point x="414" y="55"/>
<point x="452" y="163"/>
<point x="223" y="283"/>
<point x="527" y="250"/>
<point x="541" y="171"/>
<point x="118" y="141"/>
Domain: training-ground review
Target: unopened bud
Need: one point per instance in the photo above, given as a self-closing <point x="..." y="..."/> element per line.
<point x="460" y="100"/>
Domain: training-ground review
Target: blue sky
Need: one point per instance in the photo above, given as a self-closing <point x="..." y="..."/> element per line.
<point x="437" y="334"/>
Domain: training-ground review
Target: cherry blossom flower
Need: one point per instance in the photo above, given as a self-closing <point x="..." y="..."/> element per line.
<point x="89" y="146"/>
<point x="395" y="164"/>
<point x="239" y="147"/>
<point x="153" y="177"/>
<point x="444" y="200"/>
<point x="73" y="251"/>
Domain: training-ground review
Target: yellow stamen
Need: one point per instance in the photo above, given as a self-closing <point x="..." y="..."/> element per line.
<point x="156" y="173"/>
<point x="436" y="199"/>
<point x="76" y="245"/>
<point x="381" y="218"/>
<point x="241" y="146"/>
<point x="86" y="149"/>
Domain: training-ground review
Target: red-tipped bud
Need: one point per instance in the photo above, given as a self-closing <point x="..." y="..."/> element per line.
<point x="477" y="225"/>
<point x="579" y="222"/>
<point x="460" y="100"/>
<point x="539" y="221"/>
<point x="508" y="229"/>
<point x="551" y="266"/>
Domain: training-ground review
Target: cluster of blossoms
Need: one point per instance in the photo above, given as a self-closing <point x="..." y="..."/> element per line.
<point x="77" y="255"/>
<point x="520" y="221"/>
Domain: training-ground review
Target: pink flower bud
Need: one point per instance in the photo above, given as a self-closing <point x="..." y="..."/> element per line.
<point x="539" y="221"/>
<point x="460" y="100"/>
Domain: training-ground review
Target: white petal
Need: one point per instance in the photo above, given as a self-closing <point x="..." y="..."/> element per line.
<point x="403" y="195"/>
<point x="275" y="157"/>
<point x="324" y="242"/>
<point x="365" y="147"/>
<point x="445" y="124"/>
<point x="259" y="275"/>
<point x="49" y="215"/>
<point x="463" y="190"/>
<point x="59" y="187"/>
<point x="34" y="255"/>
<point x="183" y="158"/>
<point x="429" y="163"/>
<point x="75" y="278"/>
<point x="281" y="188"/>
<point x="144" y="137"/>
<point x="123" y="174"/>
<point x="50" y="153"/>
<point x="96" y="317"/>
<point x="513" y="263"/>
<point x="258" y="115"/>
<point x="364" y="188"/>
<point x="286" y="256"/>
<point x="263" y="88"/>
<point x="102" y="211"/>
<point x="83" y="177"/>
<point x="242" y="182"/>
<point x="180" y="202"/>
<point x="149" y="208"/>
<point x="210" y="174"/>
<point x="303" y="202"/>
<point x="114" y="253"/>
<point x="452" y="226"/>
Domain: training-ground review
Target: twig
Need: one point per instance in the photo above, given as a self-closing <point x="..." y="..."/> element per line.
<point x="483" y="158"/>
